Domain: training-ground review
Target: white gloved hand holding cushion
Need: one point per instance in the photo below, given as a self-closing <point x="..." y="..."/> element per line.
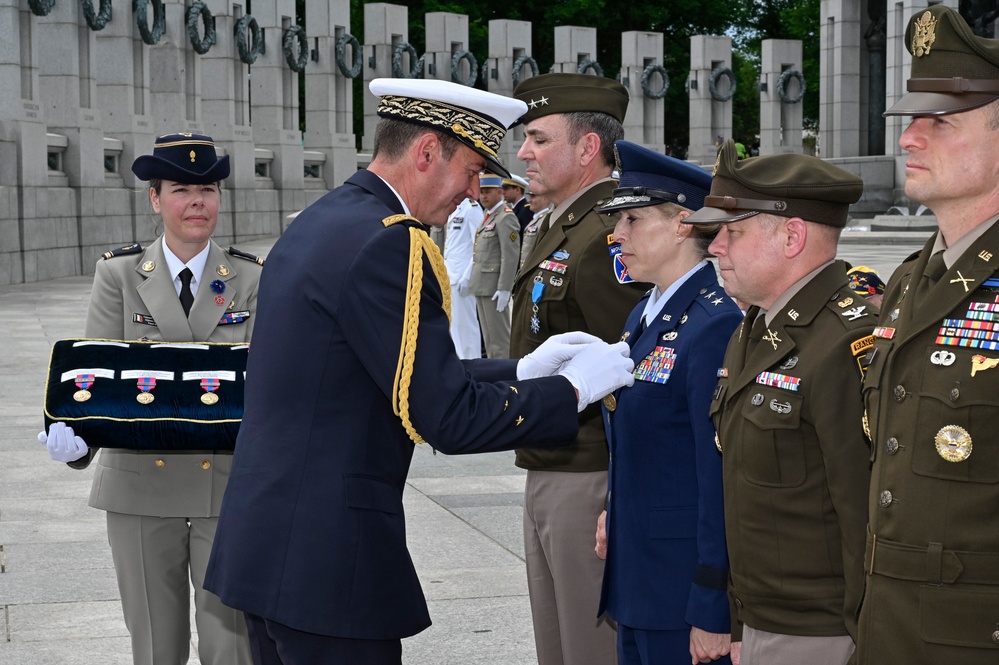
<point x="63" y="444"/>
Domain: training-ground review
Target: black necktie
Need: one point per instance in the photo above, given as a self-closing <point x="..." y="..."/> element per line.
<point x="186" y="297"/>
<point x="935" y="269"/>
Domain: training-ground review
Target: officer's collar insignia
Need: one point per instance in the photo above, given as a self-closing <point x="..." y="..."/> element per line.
<point x="222" y="270"/>
<point x="148" y="266"/>
<point x="925" y="34"/>
<point x="772" y="337"/>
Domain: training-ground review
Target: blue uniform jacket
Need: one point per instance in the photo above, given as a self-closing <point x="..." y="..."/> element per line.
<point x="312" y="532"/>
<point x="667" y="567"/>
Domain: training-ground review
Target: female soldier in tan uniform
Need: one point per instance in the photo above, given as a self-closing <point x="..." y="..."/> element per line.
<point x="162" y="508"/>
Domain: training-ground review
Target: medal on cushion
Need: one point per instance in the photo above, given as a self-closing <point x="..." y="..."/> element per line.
<point x="536" y="291"/>
<point x="84" y="378"/>
<point x="83" y="381"/>
<point x="210" y="385"/>
<point x="145" y="381"/>
<point x="210" y="380"/>
<point x="146" y="385"/>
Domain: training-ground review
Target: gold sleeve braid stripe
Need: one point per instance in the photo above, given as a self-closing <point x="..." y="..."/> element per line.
<point x="420" y="242"/>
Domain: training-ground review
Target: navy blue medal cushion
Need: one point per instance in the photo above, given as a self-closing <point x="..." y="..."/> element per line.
<point x="148" y="395"/>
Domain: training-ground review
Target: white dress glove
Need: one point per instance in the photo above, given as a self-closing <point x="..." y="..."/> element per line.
<point x="502" y="299"/>
<point x="599" y="370"/>
<point x="462" y="287"/>
<point x="63" y="444"/>
<point x="554" y="352"/>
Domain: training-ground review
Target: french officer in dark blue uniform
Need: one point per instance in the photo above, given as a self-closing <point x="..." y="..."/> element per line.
<point x="666" y="572"/>
<point x="351" y="365"/>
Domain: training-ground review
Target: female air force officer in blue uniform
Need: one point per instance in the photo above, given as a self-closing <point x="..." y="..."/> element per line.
<point x="667" y="571"/>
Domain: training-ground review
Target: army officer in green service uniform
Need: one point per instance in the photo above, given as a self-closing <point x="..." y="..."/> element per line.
<point x="787" y="407"/>
<point x="932" y="390"/>
<point x="568" y="283"/>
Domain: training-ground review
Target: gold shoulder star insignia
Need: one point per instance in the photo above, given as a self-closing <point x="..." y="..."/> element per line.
<point x="514" y="389"/>
<point x="520" y="419"/>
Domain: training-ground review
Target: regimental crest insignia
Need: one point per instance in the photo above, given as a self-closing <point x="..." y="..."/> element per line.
<point x="925" y="34"/>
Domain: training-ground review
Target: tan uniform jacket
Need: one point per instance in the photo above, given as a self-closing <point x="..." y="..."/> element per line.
<point x="159" y="484"/>
<point x="795" y="461"/>
<point x="932" y="397"/>
<point x="495" y="254"/>
<point x="580" y="292"/>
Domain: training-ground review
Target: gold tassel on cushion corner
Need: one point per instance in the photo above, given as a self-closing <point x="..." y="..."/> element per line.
<point x="420" y="242"/>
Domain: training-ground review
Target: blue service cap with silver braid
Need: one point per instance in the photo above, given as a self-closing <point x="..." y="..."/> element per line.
<point x="649" y="178"/>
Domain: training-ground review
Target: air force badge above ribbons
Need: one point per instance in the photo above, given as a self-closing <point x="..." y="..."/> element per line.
<point x="148" y="395"/>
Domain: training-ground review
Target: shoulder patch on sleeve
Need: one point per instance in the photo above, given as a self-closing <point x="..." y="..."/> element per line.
<point x="245" y="255"/>
<point x="134" y="248"/>
<point x="863" y="350"/>
<point x="862" y="345"/>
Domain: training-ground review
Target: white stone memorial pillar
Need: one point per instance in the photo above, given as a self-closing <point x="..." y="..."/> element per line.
<point x="710" y="118"/>
<point x="781" y="119"/>
<point x="54" y="232"/>
<point x="386" y="27"/>
<point x="329" y="95"/>
<point x="23" y="171"/>
<point x="576" y="49"/>
<point x="274" y="118"/>
<point x="509" y="44"/>
<point x="642" y="60"/>
<point x="225" y="116"/>
<point x="841" y="115"/>
<point x="174" y="72"/>
<point x="447" y="57"/>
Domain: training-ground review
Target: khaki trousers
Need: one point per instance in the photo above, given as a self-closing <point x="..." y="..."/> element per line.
<point x="762" y="648"/>
<point x="495" y="326"/>
<point x="156" y="560"/>
<point x="564" y="576"/>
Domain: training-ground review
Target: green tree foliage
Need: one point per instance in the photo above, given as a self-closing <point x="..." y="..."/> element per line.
<point x="678" y="20"/>
<point x="775" y="19"/>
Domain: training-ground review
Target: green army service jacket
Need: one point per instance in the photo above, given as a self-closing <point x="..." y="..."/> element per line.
<point x="788" y="415"/>
<point x="577" y="290"/>
<point x="932" y="398"/>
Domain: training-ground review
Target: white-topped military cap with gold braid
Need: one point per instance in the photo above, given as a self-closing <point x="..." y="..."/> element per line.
<point x="476" y="118"/>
